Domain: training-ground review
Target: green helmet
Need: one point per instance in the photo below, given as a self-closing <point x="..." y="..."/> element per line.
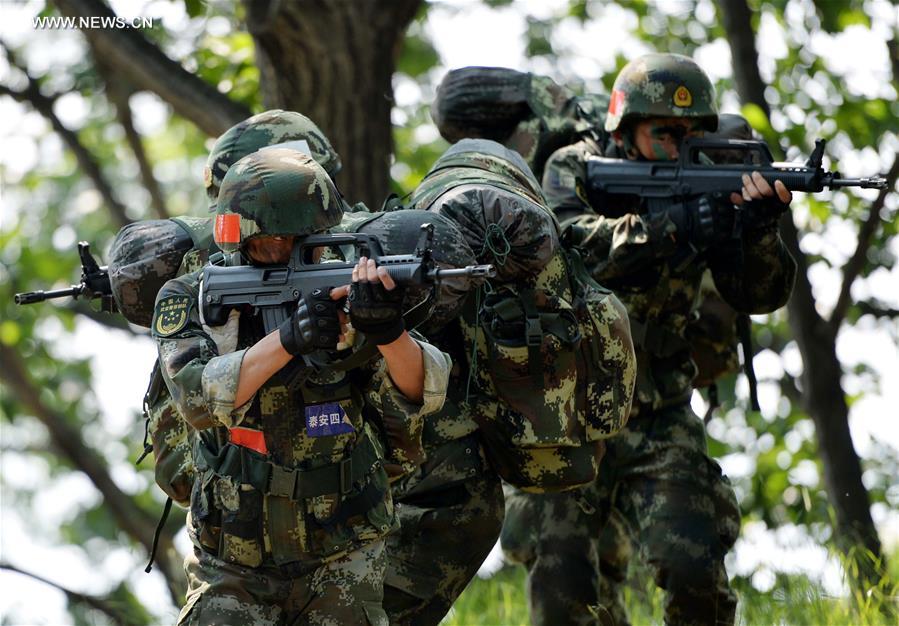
<point x="275" y="192"/>
<point x="662" y="85"/>
<point x="268" y="129"/>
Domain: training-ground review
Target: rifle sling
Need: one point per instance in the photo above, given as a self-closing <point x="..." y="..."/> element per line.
<point x="744" y="330"/>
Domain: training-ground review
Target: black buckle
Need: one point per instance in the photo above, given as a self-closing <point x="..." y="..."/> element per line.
<point x="346" y="475"/>
<point x="282" y="482"/>
<point x="533" y="331"/>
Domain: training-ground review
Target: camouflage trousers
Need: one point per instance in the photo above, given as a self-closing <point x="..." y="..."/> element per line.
<point x="347" y="590"/>
<point x="675" y="504"/>
<point x="450" y="512"/>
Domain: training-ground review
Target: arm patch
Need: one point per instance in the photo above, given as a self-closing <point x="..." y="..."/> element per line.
<point x="171" y="315"/>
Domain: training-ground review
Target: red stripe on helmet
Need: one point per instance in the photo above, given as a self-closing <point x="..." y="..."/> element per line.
<point x="227" y="228"/>
<point x="616" y="102"/>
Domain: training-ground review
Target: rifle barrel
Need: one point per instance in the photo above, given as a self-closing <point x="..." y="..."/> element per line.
<point x="477" y="271"/>
<point x="30" y="297"/>
<point x="874" y="182"/>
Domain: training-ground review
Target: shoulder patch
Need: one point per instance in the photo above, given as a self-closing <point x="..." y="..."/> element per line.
<point x="171" y="315"/>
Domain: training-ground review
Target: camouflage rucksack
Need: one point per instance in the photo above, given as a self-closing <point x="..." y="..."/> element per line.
<point x="528" y="113"/>
<point x="143" y="257"/>
<point x="550" y="352"/>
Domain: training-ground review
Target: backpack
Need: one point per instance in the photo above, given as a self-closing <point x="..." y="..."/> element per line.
<point x="549" y="353"/>
<point x="530" y="114"/>
<point x="143" y="257"/>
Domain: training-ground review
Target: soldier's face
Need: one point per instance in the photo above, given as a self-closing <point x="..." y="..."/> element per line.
<point x="659" y="138"/>
<point x="267" y="250"/>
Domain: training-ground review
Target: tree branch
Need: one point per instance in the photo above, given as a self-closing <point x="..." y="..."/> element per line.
<point x="136" y="522"/>
<point x="44" y="105"/>
<point x="119" y="93"/>
<point x="876" y="309"/>
<point x="127" y="51"/>
<point x="103" y="604"/>
<point x="856" y="262"/>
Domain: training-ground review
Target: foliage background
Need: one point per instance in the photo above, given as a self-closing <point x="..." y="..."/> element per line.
<point x="832" y="70"/>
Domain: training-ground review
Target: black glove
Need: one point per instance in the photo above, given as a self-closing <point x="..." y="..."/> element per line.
<point x="703" y="221"/>
<point x="376" y="312"/>
<point x="313" y="326"/>
<point x="762" y="214"/>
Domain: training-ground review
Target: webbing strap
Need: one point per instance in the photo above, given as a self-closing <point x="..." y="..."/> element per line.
<point x="533" y="336"/>
<point x="165" y="515"/>
<point x="252" y="468"/>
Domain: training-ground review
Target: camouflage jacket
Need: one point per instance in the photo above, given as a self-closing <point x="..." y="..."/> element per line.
<point x="631" y="254"/>
<point x="201" y="366"/>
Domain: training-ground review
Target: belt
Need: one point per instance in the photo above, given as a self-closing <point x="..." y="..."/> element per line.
<point x="252" y="468"/>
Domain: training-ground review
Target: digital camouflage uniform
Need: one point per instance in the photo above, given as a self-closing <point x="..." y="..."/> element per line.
<point x="673" y="497"/>
<point x="451" y="509"/>
<point x="292" y="530"/>
<point x="148" y="253"/>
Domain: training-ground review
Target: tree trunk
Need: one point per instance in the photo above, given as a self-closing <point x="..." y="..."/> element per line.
<point x="822" y="391"/>
<point x="333" y="60"/>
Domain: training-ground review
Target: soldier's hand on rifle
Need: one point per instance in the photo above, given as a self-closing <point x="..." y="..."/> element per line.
<point x="702" y="221"/>
<point x="314" y="325"/>
<point x="762" y="205"/>
<point x="375" y="303"/>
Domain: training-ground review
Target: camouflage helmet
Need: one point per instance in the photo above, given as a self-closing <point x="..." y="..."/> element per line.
<point x="275" y="192"/>
<point x="268" y="129"/>
<point x="662" y="85"/>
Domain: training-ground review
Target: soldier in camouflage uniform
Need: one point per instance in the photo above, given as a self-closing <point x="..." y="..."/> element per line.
<point x="288" y="514"/>
<point x="656" y="472"/>
<point x="182" y="245"/>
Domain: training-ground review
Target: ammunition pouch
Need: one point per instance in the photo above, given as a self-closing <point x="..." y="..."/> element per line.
<point x="310" y="514"/>
<point x="248" y="467"/>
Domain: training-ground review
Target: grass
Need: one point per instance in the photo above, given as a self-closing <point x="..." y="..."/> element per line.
<point x="794" y="600"/>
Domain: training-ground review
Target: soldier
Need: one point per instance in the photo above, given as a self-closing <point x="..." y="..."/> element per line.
<point x="656" y="472"/>
<point x="308" y="546"/>
<point x="146" y="254"/>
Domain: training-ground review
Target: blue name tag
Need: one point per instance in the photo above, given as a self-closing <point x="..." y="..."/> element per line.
<point x="327" y="420"/>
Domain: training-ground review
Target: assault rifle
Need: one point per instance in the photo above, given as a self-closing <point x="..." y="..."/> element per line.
<point x="274" y="290"/>
<point x="94" y="284"/>
<point x="696" y="172"/>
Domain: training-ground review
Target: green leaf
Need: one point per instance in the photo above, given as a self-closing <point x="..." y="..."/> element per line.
<point x="757" y="118"/>
<point x="418" y="56"/>
<point x="195" y="8"/>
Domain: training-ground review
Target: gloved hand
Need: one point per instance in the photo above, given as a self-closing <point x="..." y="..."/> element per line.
<point x="314" y="324"/>
<point x="375" y="311"/>
<point x="702" y="221"/>
<point x="761" y="204"/>
<point x="762" y="214"/>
